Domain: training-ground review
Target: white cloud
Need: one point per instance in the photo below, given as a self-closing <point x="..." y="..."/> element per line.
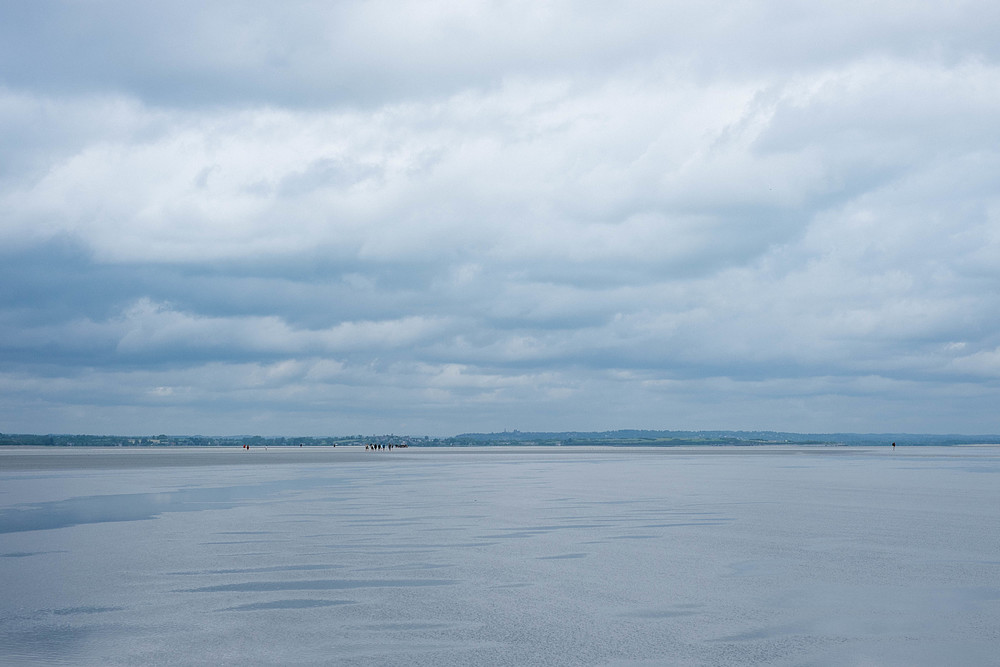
<point x="147" y="326"/>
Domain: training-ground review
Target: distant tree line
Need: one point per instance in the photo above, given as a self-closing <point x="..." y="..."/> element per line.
<point x="650" y="438"/>
<point x="620" y="438"/>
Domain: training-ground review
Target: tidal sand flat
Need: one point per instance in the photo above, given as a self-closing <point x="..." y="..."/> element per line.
<point x="501" y="556"/>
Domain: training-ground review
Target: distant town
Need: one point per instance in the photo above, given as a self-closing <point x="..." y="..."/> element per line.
<point x="620" y="438"/>
<point x="7" y="439"/>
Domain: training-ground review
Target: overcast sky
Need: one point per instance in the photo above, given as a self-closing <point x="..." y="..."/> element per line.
<point x="321" y="218"/>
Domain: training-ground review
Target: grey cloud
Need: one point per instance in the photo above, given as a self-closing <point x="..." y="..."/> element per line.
<point x="366" y="216"/>
<point x="352" y="53"/>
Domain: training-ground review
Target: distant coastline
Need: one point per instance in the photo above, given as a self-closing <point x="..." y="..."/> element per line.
<point x="619" y="438"/>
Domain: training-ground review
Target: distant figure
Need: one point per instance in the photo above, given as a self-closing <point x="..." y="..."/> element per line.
<point x="894" y="445"/>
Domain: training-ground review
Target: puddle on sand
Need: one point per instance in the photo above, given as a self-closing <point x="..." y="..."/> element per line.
<point x="140" y="506"/>
<point x="288" y="604"/>
<point x="318" y="585"/>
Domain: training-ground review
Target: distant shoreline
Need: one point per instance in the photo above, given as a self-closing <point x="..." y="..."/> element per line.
<point x="619" y="438"/>
<point x="20" y="458"/>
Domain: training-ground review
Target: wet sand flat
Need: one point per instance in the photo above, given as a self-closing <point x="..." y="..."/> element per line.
<point x="501" y="556"/>
<point x="97" y="458"/>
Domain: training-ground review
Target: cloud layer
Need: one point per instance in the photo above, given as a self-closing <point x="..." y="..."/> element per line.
<point x="377" y="217"/>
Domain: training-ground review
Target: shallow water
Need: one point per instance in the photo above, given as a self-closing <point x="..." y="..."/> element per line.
<point x="788" y="556"/>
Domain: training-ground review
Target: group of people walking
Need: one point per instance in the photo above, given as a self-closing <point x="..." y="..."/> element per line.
<point x="375" y="446"/>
